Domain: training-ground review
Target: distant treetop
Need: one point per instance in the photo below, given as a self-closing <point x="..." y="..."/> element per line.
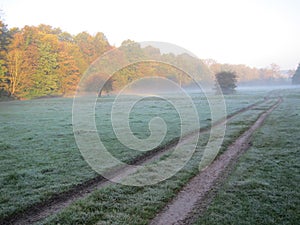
<point x="226" y="81"/>
<point x="296" y="77"/>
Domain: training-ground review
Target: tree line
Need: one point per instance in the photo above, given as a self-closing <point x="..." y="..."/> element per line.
<point x="42" y="61"/>
<point x="45" y="61"/>
<point x="250" y="75"/>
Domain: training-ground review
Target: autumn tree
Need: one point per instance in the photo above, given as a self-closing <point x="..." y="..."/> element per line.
<point x="45" y="61"/>
<point x="68" y="69"/>
<point x="226" y="81"/>
<point x="296" y="76"/>
<point x="15" y="63"/>
<point x="92" y="46"/>
<point x="18" y="62"/>
<point x="23" y="57"/>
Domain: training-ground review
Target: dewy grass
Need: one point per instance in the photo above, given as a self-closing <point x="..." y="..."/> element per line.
<point x="117" y="204"/>
<point x="263" y="189"/>
<point x="38" y="154"/>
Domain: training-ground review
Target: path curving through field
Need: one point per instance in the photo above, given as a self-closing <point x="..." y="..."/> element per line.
<point x="58" y="202"/>
<point x="197" y="194"/>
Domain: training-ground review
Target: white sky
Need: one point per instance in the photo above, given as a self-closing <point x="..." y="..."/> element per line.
<point x="254" y="32"/>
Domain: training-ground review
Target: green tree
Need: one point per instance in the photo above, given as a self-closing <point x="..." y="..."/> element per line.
<point x="4" y="42"/>
<point x="296" y="77"/>
<point x="46" y="81"/>
<point x="132" y="51"/>
<point x="226" y="81"/>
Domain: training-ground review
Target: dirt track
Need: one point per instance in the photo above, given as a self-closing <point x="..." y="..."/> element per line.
<point x="197" y="194"/>
<point x="40" y="211"/>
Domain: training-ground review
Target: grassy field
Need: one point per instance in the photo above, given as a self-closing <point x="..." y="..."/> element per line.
<point x="264" y="187"/>
<point x="119" y="204"/>
<point x="39" y="156"/>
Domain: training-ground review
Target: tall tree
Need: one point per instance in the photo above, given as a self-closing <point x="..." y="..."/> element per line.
<point x="296" y="77"/>
<point x="15" y="62"/>
<point x="68" y="70"/>
<point x="46" y="76"/>
<point x="18" y="65"/>
<point x="4" y="42"/>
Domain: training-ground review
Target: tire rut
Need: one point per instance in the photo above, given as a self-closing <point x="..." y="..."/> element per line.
<point x="196" y="195"/>
<point x="57" y="202"/>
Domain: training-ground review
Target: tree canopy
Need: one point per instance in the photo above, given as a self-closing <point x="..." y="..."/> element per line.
<point x="45" y="61"/>
<point x="226" y="82"/>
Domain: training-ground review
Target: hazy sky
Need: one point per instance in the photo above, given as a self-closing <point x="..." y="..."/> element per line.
<point x="254" y="32"/>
